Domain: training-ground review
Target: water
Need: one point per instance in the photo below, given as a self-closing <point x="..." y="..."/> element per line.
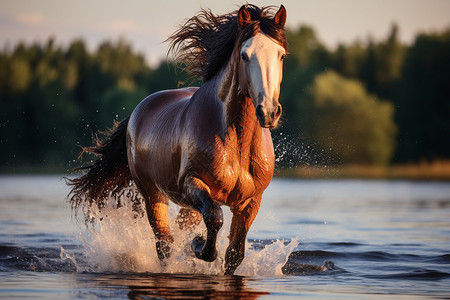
<point x="311" y="239"/>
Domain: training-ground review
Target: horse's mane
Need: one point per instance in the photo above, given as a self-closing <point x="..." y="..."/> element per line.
<point x="206" y="41"/>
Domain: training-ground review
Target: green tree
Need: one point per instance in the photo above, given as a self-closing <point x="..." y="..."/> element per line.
<point x="423" y="106"/>
<point x="349" y="124"/>
<point x="383" y="66"/>
<point x="118" y="103"/>
<point x="349" y="60"/>
<point x="305" y="48"/>
<point x="20" y="74"/>
<point x="307" y="57"/>
<point x="120" y="62"/>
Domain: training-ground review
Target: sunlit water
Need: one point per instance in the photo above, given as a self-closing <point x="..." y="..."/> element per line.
<point x="313" y="239"/>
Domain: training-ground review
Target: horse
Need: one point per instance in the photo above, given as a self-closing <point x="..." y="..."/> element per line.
<point x="201" y="147"/>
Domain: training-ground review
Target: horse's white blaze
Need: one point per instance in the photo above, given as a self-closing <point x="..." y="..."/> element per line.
<point x="264" y="69"/>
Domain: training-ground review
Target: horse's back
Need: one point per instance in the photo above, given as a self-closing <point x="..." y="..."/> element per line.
<point x="152" y="135"/>
<point x="154" y="104"/>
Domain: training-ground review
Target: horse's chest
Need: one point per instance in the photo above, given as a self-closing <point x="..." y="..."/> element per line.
<point x="244" y="177"/>
<point x="238" y="169"/>
<point x="256" y="173"/>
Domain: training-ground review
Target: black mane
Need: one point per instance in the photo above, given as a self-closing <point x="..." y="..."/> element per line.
<point x="206" y="41"/>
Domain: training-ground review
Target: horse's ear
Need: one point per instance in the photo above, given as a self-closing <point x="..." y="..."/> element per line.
<point x="243" y="16"/>
<point x="280" y="16"/>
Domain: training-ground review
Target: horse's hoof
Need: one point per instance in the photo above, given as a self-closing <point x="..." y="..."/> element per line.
<point x="198" y="244"/>
<point x="229" y="272"/>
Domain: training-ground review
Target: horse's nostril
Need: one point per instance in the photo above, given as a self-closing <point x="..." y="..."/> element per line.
<point x="278" y="111"/>
<point x="260" y="111"/>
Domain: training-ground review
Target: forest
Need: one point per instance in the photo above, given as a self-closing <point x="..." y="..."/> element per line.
<point x="367" y="102"/>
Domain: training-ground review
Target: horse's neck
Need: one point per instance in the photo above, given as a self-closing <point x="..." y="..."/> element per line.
<point x="239" y="109"/>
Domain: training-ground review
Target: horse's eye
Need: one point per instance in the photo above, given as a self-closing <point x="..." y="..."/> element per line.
<point x="283" y="56"/>
<point x="244" y="57"/>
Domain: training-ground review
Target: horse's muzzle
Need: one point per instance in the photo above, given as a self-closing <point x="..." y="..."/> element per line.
<point x="268" y="118"/>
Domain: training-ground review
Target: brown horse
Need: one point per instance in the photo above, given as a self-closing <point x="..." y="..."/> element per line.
<point x="202" y="147"/>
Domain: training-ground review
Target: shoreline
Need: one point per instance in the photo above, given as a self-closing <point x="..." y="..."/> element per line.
<point x="437" y="170"/>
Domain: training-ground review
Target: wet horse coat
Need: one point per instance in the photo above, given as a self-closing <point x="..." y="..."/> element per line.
<point x="210" y="146"/>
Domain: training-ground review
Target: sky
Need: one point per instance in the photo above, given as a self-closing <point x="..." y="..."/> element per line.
<point x="147" y="23"/>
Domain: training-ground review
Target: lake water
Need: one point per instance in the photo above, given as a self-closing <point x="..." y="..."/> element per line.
<point x="312" y="239"/>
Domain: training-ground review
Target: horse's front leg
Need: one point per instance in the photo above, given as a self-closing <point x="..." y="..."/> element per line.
<point x="240" y="224"/>
<point x="197" y="195"/>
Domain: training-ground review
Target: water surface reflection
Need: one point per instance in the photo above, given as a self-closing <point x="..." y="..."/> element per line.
<point x="169" y="286"/>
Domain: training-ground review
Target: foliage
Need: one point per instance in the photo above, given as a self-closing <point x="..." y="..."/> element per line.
<point x="423" y="102"/>
<point x="53" y="98"/>
<point x="350" y="124"/>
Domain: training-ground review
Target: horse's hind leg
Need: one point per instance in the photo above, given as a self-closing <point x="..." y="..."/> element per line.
<point x="196" y="195"/>
<point x="157" y="207"/>
<point x="158" y="216"/>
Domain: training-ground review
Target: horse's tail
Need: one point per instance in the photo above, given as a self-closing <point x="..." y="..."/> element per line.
<point x="108" y="175"/>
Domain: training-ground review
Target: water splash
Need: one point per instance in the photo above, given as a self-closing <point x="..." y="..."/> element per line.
<point x="67" y="256"/>
<point x="291" y="151"/>
<point x="268" y="261"/>
<point x="122" y="242"/>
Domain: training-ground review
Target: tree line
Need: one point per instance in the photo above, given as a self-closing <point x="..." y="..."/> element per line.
<point x="368" y="102"/>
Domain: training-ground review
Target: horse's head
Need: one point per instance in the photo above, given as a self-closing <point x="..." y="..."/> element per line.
<point x="262" y="52"/>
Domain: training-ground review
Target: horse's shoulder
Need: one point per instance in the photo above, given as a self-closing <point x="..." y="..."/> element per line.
<point x="205" y="114"/>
